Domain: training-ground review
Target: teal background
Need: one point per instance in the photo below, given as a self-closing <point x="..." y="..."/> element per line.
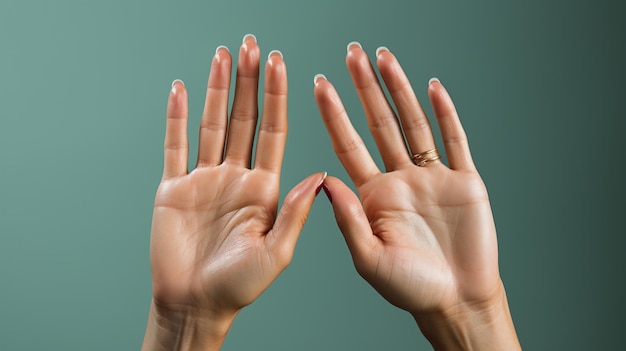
<point x="540" y="86"/>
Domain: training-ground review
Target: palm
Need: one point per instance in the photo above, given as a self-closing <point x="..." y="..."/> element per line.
<point x="217" y="241"/>
<point x="421" y="233"/>
<point x="440" y="238"/>
<point x="212" y="225"/>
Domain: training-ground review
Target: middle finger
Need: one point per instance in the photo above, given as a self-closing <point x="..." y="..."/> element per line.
<point x="243" y="118"/>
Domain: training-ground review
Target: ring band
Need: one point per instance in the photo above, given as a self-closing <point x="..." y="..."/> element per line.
<point x="423" y="158"/>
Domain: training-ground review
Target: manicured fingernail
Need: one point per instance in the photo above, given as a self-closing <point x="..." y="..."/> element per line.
<point x="381" y="49"/>
<point x="179" y="81"/>
<point x="249" y="36"/>
<point x="433" y="79"/>
<point x="274" y="52"/>
<point x="321" y="184"/>
<point x="353" y="44"/>
<point x="318" y="77"/>
<point x="221" y="47"/>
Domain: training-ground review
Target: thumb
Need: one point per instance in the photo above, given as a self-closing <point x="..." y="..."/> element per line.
<point x="352" y="222"/>
<point x="292" y="216"/>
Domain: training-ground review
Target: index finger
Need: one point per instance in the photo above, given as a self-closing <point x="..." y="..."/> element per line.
<point x="347" y="143"/>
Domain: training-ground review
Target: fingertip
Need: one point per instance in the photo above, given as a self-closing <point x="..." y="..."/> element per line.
<point x="329" y="103"/>
<point x="221" y="47"/>
<point x="433" y="80"/>
<point x="387" y="63"/>
<point x="360" y="68"/>
<point x="381" y="50"/>
<point x="436" y="91"/>
<point x="177" y="95"/>
<point x="249" y="58"/>
<point x="332" y="181"/>
<point x="311" y="185"/>
<point x="438" y="94"/>
<point x="317" y="78"/>
<point x="276" y="73"/>
<point x="324" y="175"/>
<point x="275" y="53"/>
<point x="275" y="59"/>
<point x="249" y="37"/>
<point x="334" y="187"/>
<point x="327" y="191"/>
<point x="176" y="83"/>
<point x="320" y="183"/>
<point x="325" y="94"/>
<point x="353" y="45"/>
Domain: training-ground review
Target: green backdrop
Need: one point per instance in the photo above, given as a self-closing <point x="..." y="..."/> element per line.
<point x="540" y="86"/>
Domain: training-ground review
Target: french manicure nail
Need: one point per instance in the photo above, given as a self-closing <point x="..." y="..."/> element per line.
<point x="177" y="80"/>
<point x="318" y="77"/>
<point x="274" y="52"/>
<point x="221" y="47"/>
<point x="380" y="49"/>
<point x="433" y="79"/>
<point x="251" y="36"/>
<point x="353" y="44"/>
<point x="321" y="184"/>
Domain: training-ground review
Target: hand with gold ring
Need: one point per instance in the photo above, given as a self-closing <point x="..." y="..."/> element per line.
<point x="218" y="239"/>
<point x="423" y="237"/>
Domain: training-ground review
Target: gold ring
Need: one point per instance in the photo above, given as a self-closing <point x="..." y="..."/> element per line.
<point x="422" y="159"/>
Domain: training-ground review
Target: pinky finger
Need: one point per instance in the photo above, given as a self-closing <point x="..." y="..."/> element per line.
<point x="176" y="144"/>
<point x="454" y="138"/>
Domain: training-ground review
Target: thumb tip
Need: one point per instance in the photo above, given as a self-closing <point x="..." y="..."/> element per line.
<point x="320" y="183"/>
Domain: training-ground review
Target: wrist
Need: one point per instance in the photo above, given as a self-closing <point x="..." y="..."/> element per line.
<point x="185" y="328"/>
<point x="485" y="326"/>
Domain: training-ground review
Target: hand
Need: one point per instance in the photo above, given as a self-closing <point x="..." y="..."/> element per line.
<point x="423" y="237"/>
<point x="217" y="242"/>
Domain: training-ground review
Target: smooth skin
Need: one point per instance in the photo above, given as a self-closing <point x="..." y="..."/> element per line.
<point x="423" y="237"/>
<point x="218" y="240"/>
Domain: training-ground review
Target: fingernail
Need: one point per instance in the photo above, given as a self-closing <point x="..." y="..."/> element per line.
<point x="221" y="47"/>
<point x="433" y="79"/>
<point x="380" y="49"/>
<point x="274" y="52"/>
<point x="249" y="36"/>
<point x="321" y="184"/>
<point x="353" y="44"/>
<point x="177" y="80"/>
<point x="318" y="77"/>
<point x="327" y="192"/>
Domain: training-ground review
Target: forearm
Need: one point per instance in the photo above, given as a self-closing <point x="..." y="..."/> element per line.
<point x="184" y="329"/>
<point x="471" y="328"/>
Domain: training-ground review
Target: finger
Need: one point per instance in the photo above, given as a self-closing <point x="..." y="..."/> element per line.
<point x="243" y="117"/>
<point x="347" y="143"/>
<point x="353" y="223"/>
<point x="453" y="135"/>
<point x="414" y="121"/>
<point x="215" y="115"/>
<point x="273" y="129"/>
<point x="381" y="119"/>
<point x="176" y="144"/>
<point x="292" y="216"/>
